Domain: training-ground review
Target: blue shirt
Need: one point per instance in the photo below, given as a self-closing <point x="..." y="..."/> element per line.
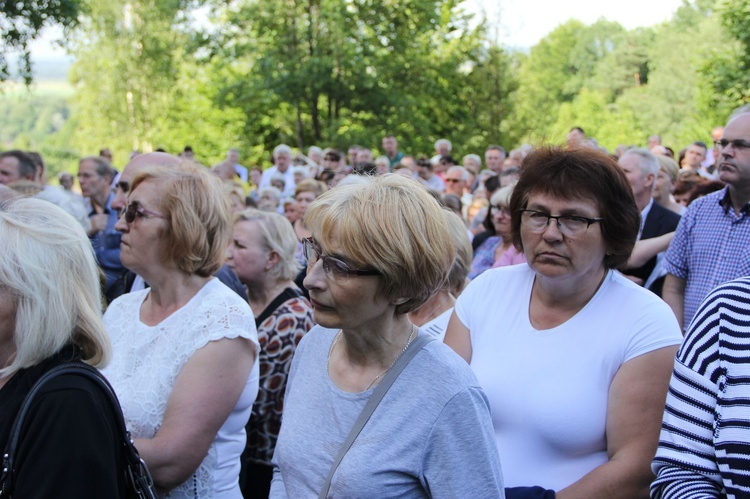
<point x="106" y="244"/>
<point x="711" y="247"/>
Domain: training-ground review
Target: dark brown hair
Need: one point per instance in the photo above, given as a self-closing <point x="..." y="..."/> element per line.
<point x="581" y="174"/>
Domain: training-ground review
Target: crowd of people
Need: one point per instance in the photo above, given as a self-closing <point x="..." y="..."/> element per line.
<point x="556" y="321"/>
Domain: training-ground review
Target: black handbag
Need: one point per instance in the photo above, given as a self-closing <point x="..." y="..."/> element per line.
<point x="138" y="480"/>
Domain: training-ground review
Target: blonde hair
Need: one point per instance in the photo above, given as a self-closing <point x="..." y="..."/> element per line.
<point x="197" y="213"/>
<point x="48" y="267"/>
<point x="669" y="166"/>
<point x="391" y="224"/>
<point x="464" y="254"/>
<point x="310" y="185"/>
<point x="277" y="235"/>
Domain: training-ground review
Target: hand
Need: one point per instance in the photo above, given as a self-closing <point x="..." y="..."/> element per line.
<point x="99" y="222"/>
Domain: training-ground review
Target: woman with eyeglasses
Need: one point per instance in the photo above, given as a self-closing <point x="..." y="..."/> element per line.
<point x="379" y="249"/>
<point x="497" y="250"/>
<point x="574" y="357"/>
<point x="185" y="348"/>
<point x="262" y="253"/>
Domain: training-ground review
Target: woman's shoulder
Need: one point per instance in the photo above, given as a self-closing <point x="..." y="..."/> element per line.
<point x="437" y="361"/>
<point x="498" y="280"/>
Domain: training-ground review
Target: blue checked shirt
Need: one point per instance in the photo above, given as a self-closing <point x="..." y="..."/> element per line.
<point x="711" y="247"/>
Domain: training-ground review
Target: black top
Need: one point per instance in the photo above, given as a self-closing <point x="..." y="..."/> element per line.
<point x="69" y="442"/>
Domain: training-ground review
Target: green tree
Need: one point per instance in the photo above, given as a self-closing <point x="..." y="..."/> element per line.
<point x="21" y="21"/>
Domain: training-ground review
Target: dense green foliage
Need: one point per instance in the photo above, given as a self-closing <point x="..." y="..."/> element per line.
<point x="338" y="72"/>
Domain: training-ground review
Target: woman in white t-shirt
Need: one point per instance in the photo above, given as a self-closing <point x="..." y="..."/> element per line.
<point x="184" y="349"/>
<point x="574" y="358"/>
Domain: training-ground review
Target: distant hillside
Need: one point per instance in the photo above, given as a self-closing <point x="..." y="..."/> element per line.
<point x="53" y="68"/>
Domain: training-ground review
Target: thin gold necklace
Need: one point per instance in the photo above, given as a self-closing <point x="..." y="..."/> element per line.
<point x="408" y="342"/>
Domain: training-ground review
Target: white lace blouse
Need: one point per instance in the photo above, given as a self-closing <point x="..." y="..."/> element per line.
<point x="147" y="360"/>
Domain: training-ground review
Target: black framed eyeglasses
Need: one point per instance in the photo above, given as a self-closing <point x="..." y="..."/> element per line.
<point x="332" y="266"/>
<point x="736" y="144"/>
<point x="569" y="225"/>
<point x="135" y="210"/>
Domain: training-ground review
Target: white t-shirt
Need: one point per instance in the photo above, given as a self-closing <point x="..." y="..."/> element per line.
<point x="437" y="326"/>
<point x="147" y="360"/>
<point x="548" y="389"/>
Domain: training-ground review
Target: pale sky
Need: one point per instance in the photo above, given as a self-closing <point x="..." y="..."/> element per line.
<point x="522" y="23"/>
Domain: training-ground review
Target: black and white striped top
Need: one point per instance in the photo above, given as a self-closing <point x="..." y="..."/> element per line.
<point x="704" y="447"/>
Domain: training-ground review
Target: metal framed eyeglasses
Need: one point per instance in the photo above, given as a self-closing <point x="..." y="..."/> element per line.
<point x="332" y="266"/>
<point x="569" y="225"/>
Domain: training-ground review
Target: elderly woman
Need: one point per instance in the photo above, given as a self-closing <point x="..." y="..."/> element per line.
<point x="262" y="253"/>
<point x="497" y="249"/>
<point x="574" y="357"/>
<point x="379" y="249"/>
<point x="50" y="315"/>
<point x="185" y="348"/>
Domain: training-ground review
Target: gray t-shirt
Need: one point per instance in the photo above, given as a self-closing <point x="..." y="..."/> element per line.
<point x="431" y="435"/>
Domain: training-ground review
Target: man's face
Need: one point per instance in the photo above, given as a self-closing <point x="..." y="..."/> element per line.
<point x="283" y="159"/>
<point x="10" y="170"/>
<point x="352" y="155"/>
<point x="694" y="155"/>
<point x="92" y="184"/>
<point x="390" y="146"/>
<point x="640" y="184"/>
<point x="66" y="181"/>
<point x="734" y="161"/>
<point x="424" y="172"/>
<point x="233" y="156"/>
<point x="493" y="158"/>
<point x="443" y="149"/>
<point x="364" y="156"/>
<point x="454" y="184"/>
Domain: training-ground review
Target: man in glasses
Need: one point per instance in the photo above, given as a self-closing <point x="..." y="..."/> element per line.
<point x="712" y="240"/>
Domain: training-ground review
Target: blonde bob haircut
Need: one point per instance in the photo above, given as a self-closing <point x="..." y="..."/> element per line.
<point x="310" y="185"/>
<point x="197" y="212"/>
<point x="276" y="235"/>
<point x="391" y="224"/>
<point x="48" y="267"/>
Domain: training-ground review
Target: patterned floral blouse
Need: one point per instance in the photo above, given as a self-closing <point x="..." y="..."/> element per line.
<point x="280" y="328"/>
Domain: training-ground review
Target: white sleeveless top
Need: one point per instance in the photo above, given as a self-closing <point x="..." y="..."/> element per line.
<point x="147" y="360"/>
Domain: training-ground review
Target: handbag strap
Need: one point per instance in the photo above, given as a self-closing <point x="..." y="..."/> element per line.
<point x="131" y="456"/>
<point x="372" y="404"/>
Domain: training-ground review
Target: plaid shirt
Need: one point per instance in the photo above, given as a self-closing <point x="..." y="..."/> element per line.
<point x="711" y="247"/>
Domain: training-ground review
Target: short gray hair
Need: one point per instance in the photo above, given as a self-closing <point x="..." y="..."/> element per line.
<point x="282" y="148"/>
<point x="103" y="166"/>
<point x="647" y="161"/>
<point x="443" y="141"/>
<point x="464" y="172"/>
<point x="48" y="267"/>
<point x="740" y="110"/>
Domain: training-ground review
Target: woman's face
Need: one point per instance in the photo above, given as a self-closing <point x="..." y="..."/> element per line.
<point x="555" y="255"/>
<point x="343" y="302"/>
<point x="662" y="186"/>
<point x="143" y="244"/>
<point x="304" y="199"/>
<point x="246" y="255"/>
<point x="501" y="219"/>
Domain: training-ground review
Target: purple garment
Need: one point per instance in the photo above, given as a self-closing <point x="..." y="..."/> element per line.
<point x="484" y="256"/>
